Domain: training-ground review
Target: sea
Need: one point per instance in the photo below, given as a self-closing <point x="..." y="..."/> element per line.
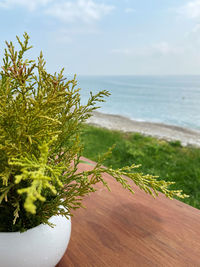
<point x="172" y="100"/>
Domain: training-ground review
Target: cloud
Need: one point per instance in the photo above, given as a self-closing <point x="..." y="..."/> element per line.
<point x="190" y="10"/>
<point x="122" y="51"/>
<point x="155" y="50"/>
<point x="196" y="28"/>
<point x="80" y="10"/>
<point x="65" y="10"/>
<point x="67" y="36"/>
<point x="164" y="48"/>
<point x="31" y="5"/>
<point x="129" y="10"/>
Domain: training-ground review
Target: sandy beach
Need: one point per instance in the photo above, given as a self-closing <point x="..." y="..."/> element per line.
<point x="158" y="130"/>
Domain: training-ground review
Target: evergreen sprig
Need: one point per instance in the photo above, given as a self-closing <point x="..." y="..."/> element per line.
<point x="41" y="118"/>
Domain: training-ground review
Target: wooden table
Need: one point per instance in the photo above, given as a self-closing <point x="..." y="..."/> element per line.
<point x="118" y="229"/>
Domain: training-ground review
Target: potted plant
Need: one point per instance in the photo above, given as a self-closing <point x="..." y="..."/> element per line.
<point x="41" y="118"/>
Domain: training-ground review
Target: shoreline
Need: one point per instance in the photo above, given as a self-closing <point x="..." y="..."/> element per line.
<point x="159" y="130"/>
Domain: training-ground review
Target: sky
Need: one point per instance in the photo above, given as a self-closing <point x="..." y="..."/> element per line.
<point x="108" y="37"/>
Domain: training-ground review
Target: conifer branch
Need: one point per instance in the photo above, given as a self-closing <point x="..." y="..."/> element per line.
<point x="41" y="119"/>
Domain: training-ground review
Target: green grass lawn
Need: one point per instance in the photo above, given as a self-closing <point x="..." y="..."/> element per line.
<point x="168" y="160"/>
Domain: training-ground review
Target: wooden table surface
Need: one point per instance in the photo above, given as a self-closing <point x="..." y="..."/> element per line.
<point x="118" y="229"/>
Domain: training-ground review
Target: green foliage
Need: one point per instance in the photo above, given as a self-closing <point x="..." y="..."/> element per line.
<point x="41" y="118"/>
<point x="168" y="160"/>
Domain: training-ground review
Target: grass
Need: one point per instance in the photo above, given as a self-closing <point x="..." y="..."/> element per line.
<point x="168" y="160"/>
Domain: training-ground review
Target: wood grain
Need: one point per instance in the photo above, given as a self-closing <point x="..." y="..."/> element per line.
<point x="118" y="229"/>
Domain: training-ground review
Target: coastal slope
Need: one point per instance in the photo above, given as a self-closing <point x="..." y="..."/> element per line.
<point x="158" y="130"/>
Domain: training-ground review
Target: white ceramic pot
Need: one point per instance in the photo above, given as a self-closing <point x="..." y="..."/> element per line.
<point x="41" y="246"/>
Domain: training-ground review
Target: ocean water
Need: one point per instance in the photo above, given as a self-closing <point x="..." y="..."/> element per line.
<point x="172" y="100"/>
